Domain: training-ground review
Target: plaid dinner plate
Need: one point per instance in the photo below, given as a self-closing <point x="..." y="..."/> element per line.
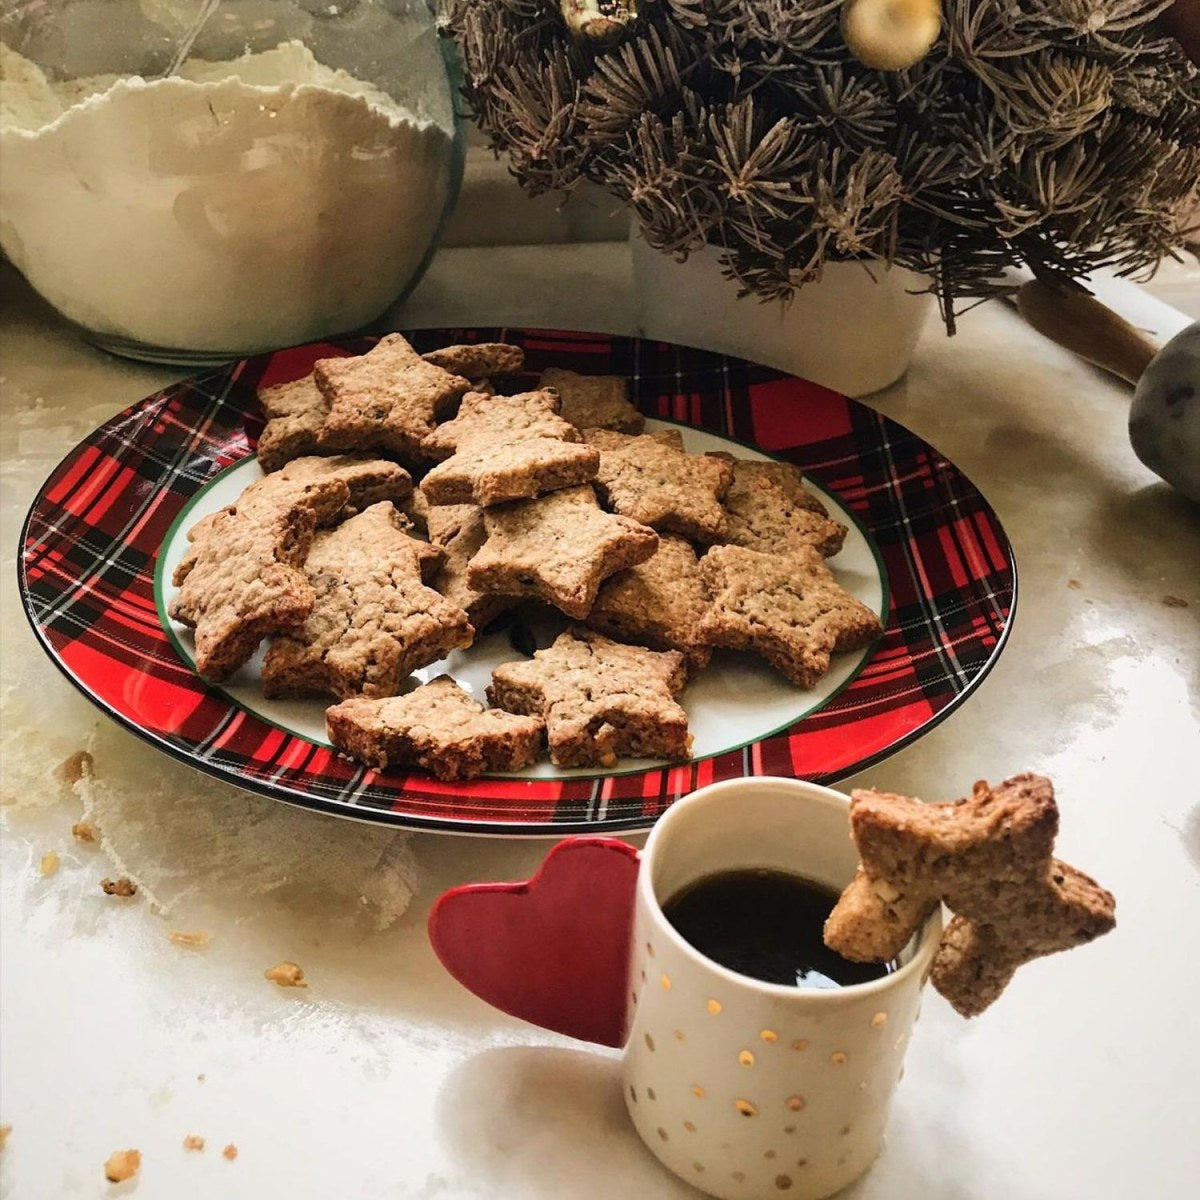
<point x="94" y="534"/>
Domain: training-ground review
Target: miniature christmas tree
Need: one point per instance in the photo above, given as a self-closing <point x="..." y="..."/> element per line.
<point x="1059" y="134"/>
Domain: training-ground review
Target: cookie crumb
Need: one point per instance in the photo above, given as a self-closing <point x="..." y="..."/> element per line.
<point x="286" y="974"/>
<point x="5" y="1130"/>
<point x="49" y="863"/>
<point x="1174" y="601"/>
<point x="1074" y="583"/>
<point x="193" y="1141"/>
<point x="195" y="939"/>
<point x="122" y="1165"/>
<point x="201" y="1077"/>
<point x="230" y="1152"/>
<point x="118" y="887"/>
<point x="74" y="767"/>
<point x="84" y="831"/>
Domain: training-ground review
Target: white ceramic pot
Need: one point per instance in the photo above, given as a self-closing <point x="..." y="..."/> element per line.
<point x="854" y="331"/>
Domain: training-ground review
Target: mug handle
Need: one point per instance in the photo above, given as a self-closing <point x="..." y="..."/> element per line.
<point x="553" y="950"/>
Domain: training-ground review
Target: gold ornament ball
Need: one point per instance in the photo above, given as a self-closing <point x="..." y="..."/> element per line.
<point x="890" y="35"/>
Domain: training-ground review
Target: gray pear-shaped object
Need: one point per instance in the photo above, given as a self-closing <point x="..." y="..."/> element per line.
<point x="1164" y="422"/>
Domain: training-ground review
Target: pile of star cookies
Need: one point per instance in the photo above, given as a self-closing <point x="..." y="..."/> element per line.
<point x="554" y="495"/>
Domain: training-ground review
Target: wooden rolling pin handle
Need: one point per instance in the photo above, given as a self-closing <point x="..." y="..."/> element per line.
<point x="1080" y="323"/>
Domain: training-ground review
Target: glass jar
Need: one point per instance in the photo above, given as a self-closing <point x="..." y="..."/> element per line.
<point x="192" y="180"/>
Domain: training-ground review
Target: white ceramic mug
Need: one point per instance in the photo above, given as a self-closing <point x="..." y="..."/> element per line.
<point x="750" y="1089"/>
<point x="746" y="1089"/>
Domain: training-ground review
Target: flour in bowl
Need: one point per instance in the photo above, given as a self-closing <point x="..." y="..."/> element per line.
<point x="234" y="206"/>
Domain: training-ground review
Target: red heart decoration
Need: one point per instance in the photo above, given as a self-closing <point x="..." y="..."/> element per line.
<point x="554" y="950"/>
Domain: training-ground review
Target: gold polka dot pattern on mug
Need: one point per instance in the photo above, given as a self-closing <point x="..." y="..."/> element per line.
<point x="878" y="1020"/>
<point x="768" y="1035"/>
<point x="714" y="1007"/>
<point x="666" y="982"/>
<point x="746" y="1058"/>
<point x="746" y="1107"/>
<point x="783" y="1182"/>
<point x="838" y="1057"/>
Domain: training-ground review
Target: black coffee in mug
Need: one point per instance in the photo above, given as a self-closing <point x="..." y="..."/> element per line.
<point x="766" y="924"/>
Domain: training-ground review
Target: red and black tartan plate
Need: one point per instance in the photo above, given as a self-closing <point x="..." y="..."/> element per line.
<point x="94" y="534"/>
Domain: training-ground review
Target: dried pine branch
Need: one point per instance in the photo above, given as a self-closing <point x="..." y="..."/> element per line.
<point x="1059" y="134"/>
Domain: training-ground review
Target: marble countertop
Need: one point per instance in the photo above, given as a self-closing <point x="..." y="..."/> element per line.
<point x="384" y="1078"/>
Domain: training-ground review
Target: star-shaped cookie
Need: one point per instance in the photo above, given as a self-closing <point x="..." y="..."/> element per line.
<point x="786" y="607"/>
<point x="506" y="448"/>
<point x="457" y="530"/>
<point x="437" y="727"/>
<point x="486" y="418"/>
<point x="977" y="958"/>
<point x="601" y="700"/>
<point x="295" y="413"/>
<point x="650" y="478"/>
<point x="373" y="621"/>
<point x="241" y="576"/>
<point x="594" y="401"/>
<point x="989" y="858"/>
<point x="370" y="480"/>
<point x="559" y="548"/>
<point x="659" y="603"/>
<point x="771" y="510"/>
<point x="478" y="359"/>
<point x="387" y="399"/>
